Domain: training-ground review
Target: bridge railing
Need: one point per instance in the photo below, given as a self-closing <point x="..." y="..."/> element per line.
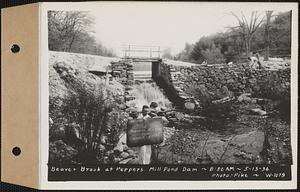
<point x="142" y="51"/>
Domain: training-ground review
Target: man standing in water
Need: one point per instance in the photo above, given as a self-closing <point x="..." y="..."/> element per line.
<point x="145" y="150"/>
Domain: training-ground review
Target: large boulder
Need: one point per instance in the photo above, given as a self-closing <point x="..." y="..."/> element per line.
<point x="257" y="111"/>
<point x="244" y="148"/>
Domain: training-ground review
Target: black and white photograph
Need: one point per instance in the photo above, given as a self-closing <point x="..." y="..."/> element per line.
<point x="169" y="85"/>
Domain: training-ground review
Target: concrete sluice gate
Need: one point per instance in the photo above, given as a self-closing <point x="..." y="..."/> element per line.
<point x="142" y="70"/>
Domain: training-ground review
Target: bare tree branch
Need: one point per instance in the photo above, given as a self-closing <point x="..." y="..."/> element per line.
<point x="248" y="28"/>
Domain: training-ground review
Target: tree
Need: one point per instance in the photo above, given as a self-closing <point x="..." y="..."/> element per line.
<point x="280" y="34"/>
<point x="185" y="55"/>
<point x="71" y="31"/>
<point x="64" y="27"/>
<point x="230" y="45"/>
<point x="277" y="40"/>
<point x="208" y="49"/>
<point x="213" y="55"/>
<point x="247" y="28"/>
<point x="203" y="44"/>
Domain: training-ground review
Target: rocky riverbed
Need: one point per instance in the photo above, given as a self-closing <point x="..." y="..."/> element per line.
<point x="253" y="138"/>
<point x="241" y="129"/>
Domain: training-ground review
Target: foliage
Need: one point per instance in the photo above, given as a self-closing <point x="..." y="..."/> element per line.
<point x="206" y="50"/>
<point x="205" y="43"/>
<point x="213" y="55"/>
<point x="86" y="116"/>
<point x="230" y="46"/>
<point x="248" y="28"/>
<point x="117" y="123"/>
<point x="185" y="55"/>
<point x="88" y="112"/>
<point x="281" y="34"/>
<point x="71" y="31"/>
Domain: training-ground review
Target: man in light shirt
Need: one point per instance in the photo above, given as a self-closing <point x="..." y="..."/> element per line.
<point x="145" y="150"/>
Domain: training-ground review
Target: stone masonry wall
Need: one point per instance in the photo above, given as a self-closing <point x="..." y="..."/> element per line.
<point x="123" y="71"/>
<point x="163" y="79"/>
<point x="213" y="82"/>
<point x="204" y="83"/>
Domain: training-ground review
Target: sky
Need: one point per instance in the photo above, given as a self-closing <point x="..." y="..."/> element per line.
<point x="166" y="24"/>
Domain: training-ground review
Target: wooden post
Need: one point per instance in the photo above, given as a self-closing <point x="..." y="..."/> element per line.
<point x="267" y="35"/>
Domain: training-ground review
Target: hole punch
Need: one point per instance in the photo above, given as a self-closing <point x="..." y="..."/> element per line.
<point x="16" y="151"/>
<point x="15" y="48"/>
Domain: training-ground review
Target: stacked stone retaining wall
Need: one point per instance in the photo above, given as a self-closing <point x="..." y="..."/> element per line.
<point x="212" y="82"/>
<point x="123" y="71"/>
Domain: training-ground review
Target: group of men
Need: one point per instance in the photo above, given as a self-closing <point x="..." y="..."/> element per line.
<point x="148" y="152"/>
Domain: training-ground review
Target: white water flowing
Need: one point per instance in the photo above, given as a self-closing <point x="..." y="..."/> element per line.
<point x="146" y="93"/>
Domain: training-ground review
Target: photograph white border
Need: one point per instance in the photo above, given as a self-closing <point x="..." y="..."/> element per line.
<point x="219" y="184"/>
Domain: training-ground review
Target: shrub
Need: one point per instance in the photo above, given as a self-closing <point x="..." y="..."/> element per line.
<point x="85" y="116"/>
<point x="117" y="123"/>
<point x="213" y="55"/>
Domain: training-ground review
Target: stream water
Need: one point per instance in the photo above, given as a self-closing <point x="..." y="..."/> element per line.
<point x="147" y="92"/>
